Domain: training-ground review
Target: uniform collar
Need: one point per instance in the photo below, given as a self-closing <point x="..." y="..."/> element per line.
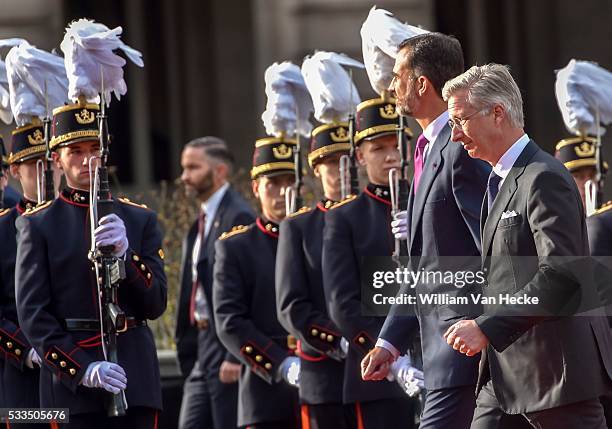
<point x="325" y="204"/>
<point x="267" y="227"/>
<point x="25" y="204"/>
<point x="76" y="197"/>
<point x="379" y="192"/>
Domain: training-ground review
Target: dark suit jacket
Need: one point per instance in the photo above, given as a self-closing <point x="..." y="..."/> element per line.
<point x="301" y="306"/>
<point x="355" y="229"/>
<point x="537" y="360"/>
<point x="54" y="281"/>
<point x="444" y="225"/>
<point x="204" y="346"/>
<point x="245" y="316"/>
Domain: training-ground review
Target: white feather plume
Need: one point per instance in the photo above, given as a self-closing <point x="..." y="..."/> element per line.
<point x="36" y="79"/>
<point x="6" y="115"/>
<point x="381" y="35"/>
<point x="88" y="49"/>
<point x="289" y="105"/>
<point x="583" y="87"/>
<point x="334" y="95"/>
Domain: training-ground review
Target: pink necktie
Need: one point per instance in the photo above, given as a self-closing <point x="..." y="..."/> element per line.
<point x="419" y="159"/>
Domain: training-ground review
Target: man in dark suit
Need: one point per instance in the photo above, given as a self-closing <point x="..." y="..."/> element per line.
<point x="441" y="224"/>
<point x="211" y="391"/>
<point x="356" y="228"/>
<point x="551" y="368"/>
<point x="244" y="300"/>
<point x="300" y="299"/>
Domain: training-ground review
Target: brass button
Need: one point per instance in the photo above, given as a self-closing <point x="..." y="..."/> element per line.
<point x="63" y="364"/>
<point x="268" y="366"/>
<point x="314" y="332"/>
<point x="72" y="371"/>
<point x="330" y="338"/>
<point x="18" y="352"/>
<point x="9" y="345"/>
<point x="361" y="340"/>
<point x="54" y="356"/>
<point x="248" y="349"/>
<point x="142" y="267"/>
<point x="149" y="276"/>
<point x="323" y="336"/>
<point x="136" y="258"/>
<point x="259" y="358"/>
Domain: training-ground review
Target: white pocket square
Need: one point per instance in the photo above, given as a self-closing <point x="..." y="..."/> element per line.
<point x="509" y="214"/>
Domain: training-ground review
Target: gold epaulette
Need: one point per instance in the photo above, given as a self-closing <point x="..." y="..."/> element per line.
<point x="38" y="208"/>
<point x="4" y="212"/>
<point x="348" y="199"/>
<point x="127" y="201"/>
<point x="300" y="211"/>
<point x="607" y="206"/>
<point x="238" y="229"/>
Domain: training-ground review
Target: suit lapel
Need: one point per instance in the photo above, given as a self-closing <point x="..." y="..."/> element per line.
<point x="432" y="166"/>
<point x="504" y="196"/>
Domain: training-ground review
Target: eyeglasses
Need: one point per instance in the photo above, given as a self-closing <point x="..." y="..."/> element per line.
<point x="460" y="122"/>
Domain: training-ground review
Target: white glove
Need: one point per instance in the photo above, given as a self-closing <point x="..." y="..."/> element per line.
<point x="32" y="359"/>
<point x="340" y="353"/>
<point x="290" y="370"/>
<point x="407" y="376"/>
<point x="399" y="225"/>
<point x="111" y="232"/>
<point x="105" y="375"/>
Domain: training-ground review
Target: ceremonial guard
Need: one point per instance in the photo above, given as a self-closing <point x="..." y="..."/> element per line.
<point x="300" y="299"/>
<point x="584" y="98"/>
<point x="27" y="67"/>
<point x="244" y="289"/>
<point x="359" y="227"/>
<point x="85" y="288"/>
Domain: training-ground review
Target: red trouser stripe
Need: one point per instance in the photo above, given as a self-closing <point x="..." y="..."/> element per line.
<point x="360" y="424"/>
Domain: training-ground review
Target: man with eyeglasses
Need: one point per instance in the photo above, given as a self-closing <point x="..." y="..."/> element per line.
<point x="536" y="360"/>
<point x="440" y="224"/>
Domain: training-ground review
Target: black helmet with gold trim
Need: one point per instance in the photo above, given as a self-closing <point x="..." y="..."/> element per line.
<point x="273" y="156"/>
<point x="377" y="117"/>
<point x="74" y="123"/>
<point x="328" y="139"/>
<point x="577" y="152"/>
<point x="27" y="142"/>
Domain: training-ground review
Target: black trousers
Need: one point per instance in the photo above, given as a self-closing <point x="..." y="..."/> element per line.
<point x="386" y="413"/>
<point x="208" y="403"/>
<point x="328" y="416"/>
<point x="584" y="415"/>
<point x="449" y="408"/>
<point x="135" y="418"/>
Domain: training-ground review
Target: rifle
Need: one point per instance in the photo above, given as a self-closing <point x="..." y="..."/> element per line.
<point x="398" y="181"/>
<point x="49" y="188"/>
<point x="298" y="201"/>
<point x="351" y="159"/>
<point x="110" y="270"/>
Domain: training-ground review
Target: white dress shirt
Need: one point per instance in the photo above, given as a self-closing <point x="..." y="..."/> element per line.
<point x="507" y="160"/>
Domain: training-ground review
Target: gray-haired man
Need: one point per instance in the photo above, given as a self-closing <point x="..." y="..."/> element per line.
<point x="551" y="369"/>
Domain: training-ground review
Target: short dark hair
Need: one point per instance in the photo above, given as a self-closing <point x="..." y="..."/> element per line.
<point x="437" y="56"/>
<point x="214" y="148"/>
